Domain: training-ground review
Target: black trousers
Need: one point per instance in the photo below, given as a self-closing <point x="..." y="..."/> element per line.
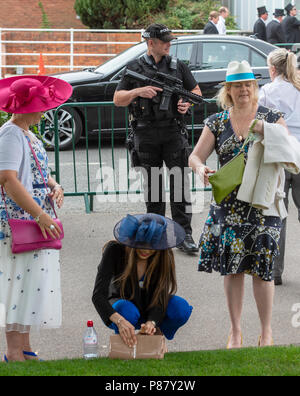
<point x="156" y="147"/>
<point x="291" y="182"/>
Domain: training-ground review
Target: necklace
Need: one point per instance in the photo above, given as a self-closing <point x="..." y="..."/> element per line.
<point x="240" y="124"/>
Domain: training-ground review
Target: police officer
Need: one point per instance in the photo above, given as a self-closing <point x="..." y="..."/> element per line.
<point x="160" y="136"/>
<point x="260" y="29"/>
<point x="275" y="33"/>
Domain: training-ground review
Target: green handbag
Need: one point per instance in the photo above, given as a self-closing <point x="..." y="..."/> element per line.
<point x="230" y="176"/>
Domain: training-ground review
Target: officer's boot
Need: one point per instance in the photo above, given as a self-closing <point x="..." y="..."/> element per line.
<point x="188" y="245"/>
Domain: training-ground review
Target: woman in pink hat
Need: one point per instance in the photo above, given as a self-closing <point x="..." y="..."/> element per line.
<point x="30" y="293"/>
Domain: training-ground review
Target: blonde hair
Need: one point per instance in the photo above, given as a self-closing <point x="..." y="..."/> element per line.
<point x="285" y="63"/>
<point x="224" y="99"/>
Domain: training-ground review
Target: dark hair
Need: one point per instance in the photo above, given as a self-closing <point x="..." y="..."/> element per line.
<point x="160" y="273"/>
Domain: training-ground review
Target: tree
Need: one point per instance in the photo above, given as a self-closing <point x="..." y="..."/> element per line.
<point x="117" y="14"/>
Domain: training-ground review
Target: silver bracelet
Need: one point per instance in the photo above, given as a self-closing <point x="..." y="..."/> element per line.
<point x="119" y="321"/>
<point x="57" y="186"/>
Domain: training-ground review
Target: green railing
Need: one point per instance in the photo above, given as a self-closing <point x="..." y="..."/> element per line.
<point x="117" y="176"/>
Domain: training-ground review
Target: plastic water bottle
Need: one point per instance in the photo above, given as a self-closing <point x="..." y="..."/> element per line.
<point x="90" y="342"/>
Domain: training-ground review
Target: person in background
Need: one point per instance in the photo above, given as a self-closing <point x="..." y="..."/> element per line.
<point x="260" y="30"/>
<point x="275" y="33"/>
<point x="136" y="281"/>
<point x="29" y="282"/>
<point x="221" y="25"/>
<point x="212" y="25"/>
<point x="283" y="94"/>
<point x="291" y="25"/>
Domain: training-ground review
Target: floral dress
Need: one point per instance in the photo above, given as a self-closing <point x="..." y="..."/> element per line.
<point x="30" y="293"/>
<point x="237" y="238"/>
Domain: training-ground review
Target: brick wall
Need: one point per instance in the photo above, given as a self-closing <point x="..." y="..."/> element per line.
<point x="28" y="14"/>
<point x="56" y="61"/>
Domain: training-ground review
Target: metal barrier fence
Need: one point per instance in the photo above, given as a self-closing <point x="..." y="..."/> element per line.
<point x="111" y="164"/>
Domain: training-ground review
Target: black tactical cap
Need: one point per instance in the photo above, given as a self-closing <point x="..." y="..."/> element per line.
<point x="160" y="32"/>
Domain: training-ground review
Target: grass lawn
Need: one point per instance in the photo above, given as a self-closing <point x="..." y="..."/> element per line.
<point x="275" y="361"/>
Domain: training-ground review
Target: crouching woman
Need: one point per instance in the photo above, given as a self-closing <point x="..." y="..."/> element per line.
<point x="136" y="281"/>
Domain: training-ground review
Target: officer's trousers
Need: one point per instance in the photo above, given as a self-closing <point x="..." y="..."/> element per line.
<point x="291" y="182"/>
<point x="158" y="146"/>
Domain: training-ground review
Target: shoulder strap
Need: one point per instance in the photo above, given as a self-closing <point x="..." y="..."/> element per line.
<point x="40" y="170"/>
<point x="250" y="133"/>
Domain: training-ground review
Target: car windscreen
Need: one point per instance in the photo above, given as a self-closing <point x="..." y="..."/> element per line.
<point x="122" y="59"/>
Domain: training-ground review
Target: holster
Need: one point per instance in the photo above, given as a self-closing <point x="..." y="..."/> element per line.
<point x="134" y="157"/>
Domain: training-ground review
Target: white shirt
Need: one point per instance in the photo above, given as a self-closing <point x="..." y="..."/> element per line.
<point x="283" y="96"/>
<point x="15" y="153"/>
<point x="221" y="26"/>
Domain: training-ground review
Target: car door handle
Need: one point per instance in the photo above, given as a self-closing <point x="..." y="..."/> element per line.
<point x="258" y="76"/>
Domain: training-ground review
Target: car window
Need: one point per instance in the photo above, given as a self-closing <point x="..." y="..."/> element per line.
<point x="258" y="60"/>
<point x="183" y="51"/>
<point x="219" y="55"/>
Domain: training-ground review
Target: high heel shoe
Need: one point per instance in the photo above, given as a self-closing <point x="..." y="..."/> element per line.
<point x="259" y="342"/>
<point x="5" y="360"/>
<point x="31" y="354"/>
<point x="229" y="340"/>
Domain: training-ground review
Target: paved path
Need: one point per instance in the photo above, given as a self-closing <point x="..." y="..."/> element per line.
<point x="209" y="325"/>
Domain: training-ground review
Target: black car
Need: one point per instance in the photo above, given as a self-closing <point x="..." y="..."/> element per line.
<point x="207" y="57"/>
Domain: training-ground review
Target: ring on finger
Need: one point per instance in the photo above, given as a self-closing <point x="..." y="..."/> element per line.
<point x="52" y="228"/>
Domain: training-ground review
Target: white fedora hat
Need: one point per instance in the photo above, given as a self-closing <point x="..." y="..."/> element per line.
<point x="239" y="71"/>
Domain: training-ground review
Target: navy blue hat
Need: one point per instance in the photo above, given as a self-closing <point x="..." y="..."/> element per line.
<point x="149" y="231"/>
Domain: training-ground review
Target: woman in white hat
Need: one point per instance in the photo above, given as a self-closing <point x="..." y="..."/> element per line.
<point x="237" y="239"/>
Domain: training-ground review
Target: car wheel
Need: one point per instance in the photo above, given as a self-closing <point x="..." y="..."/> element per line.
<point x="68" y="121"/>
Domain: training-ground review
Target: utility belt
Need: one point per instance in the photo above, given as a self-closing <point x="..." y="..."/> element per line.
<point x="147" y="124"/>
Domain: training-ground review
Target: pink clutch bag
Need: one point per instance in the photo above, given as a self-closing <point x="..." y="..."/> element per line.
<point x="26" y="234"/>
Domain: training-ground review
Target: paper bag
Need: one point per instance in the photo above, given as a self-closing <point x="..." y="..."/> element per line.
<point x="148" y="347"/>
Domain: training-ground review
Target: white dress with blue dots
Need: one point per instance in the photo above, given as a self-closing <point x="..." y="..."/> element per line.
<point x="30" y="292"/>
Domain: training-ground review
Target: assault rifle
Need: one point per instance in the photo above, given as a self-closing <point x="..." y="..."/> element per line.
<point x="170" y="86"/>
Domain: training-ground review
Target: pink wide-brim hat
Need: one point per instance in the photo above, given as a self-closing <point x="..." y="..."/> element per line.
<point x="32" y="94"/>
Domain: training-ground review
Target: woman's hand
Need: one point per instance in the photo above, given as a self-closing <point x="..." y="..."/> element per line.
<point x="148" y="328"/>
<point x="204" y="172"/>
<point x="127" y="332"/>
<point x="259" y="127"/>
<point x="47" y="225"/>
<point x="57" y="194"/>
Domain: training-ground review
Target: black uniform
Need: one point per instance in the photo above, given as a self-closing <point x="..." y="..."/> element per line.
<point x="160" y="137"/>
<point x="291" y="28"/>
<point x="260" y="30"/>
<point x="275" y="33"/>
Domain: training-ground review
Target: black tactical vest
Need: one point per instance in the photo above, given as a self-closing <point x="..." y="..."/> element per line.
<point x="148" y="109"/>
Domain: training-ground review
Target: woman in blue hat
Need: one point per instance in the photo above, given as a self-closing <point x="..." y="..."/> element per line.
<point x="136" y="281"/>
